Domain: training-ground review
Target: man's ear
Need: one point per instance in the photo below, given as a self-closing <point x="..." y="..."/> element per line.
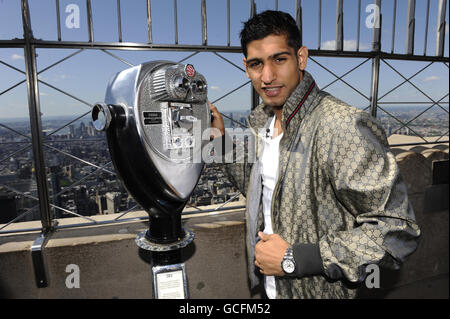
<point x="302" y="58"/>
<point x="244" y="60"/>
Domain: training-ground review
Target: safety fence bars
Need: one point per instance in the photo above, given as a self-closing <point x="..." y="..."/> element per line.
<point x="99" y="169"/>
<point x="432" y="102"/>
<point x="373" y="20"/>
<point x="38" y="143"/>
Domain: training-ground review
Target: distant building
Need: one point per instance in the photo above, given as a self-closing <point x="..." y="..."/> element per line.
<point x="83" y="129"/>
<point x="8" y="206"/>
<point x="56" y="187"/>
<point x="204" y="201"/>
<point x="100" y="200"/>
<point x="113" y="202"/>
<point x="72" y="131"/>
<point x="91" y="130"/>
<point x="82" y="201"/>
<point x="67" y="171"/>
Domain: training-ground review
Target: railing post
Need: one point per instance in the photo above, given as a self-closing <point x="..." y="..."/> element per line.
<point x="58" y="19"/>
<point x="252" y="8"/>
<point x="89" y="20"/>
<point x="255" y="95"/>
<point x="35" y="120"/>
<point x="410" y="27"/>
<point x="119" y="21"/>
<point x="149" y="22"/>
<point x="339" y="26"/>
<point x="440" y="28"/>
<point x="374" y="85"/>
<point x="175" y="19"/>
<point x="204" y="23"/>
<point x="376" y="28"/>
<point x="376" y="48"/>
<point x="298" y="19"/>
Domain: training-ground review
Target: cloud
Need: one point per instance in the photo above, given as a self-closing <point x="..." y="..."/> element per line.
<point x="328" y="45"/>
<point x="16" y="57"/>
<point x="349" y="45"/>
<point x="214" y="88"/>
<point x="62" y="77"/>
<point x="431" y="78"/>
<point x="54" y="78"/>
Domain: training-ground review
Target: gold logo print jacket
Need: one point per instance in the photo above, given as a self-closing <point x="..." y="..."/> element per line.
<point x="339" y="198"/>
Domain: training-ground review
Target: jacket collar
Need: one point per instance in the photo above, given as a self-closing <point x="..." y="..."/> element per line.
<point x="297" y="106"/>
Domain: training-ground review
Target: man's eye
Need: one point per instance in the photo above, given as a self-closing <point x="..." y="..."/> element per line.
<point x="254" y="65"/>
<point x="280" y="59"/>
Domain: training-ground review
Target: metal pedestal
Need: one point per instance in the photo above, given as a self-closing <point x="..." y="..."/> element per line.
<point x="168" y="272"/>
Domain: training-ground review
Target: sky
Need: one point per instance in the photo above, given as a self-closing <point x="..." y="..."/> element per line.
<point x="87" y="74"/>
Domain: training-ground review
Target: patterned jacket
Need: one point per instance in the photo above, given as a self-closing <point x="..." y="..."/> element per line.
<point x="339" y="199"/>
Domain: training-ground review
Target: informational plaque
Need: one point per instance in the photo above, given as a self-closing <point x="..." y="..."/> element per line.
<point x="169" y="282"/>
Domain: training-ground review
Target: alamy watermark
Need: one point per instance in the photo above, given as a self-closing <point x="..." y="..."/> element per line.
<point x="373" y="277"/>
<point x="238" y="146"/>
<point x="73" y="17"/>
<point x="373" y="19"/>
<point x="73" y="279"/>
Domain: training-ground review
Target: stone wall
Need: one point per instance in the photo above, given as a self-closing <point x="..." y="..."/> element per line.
<point x="112" y="266"/>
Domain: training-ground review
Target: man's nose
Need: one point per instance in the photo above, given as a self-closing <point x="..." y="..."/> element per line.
<point x="268" y="74"/>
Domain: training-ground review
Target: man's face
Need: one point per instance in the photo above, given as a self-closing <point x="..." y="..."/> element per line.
<point x="274" y="68"/>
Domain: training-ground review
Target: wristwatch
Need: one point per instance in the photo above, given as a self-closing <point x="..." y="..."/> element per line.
<point x="288" y="262"/>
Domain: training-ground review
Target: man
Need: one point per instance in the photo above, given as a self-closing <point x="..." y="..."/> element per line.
<point x="324" y="196"/>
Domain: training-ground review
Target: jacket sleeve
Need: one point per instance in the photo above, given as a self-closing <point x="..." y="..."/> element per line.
<point x="366" y="181"/>
<point x="237" y="162"/>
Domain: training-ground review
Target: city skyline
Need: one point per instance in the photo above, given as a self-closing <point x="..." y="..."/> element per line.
<point x="98" y="191"/>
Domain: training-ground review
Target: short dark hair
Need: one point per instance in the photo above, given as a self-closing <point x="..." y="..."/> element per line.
<point x="267" y="23"/>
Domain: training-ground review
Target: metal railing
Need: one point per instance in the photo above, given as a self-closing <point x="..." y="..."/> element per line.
<point x="38" y="143"/>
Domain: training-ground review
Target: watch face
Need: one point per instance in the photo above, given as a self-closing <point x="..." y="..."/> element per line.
<point x="288" y="266"/>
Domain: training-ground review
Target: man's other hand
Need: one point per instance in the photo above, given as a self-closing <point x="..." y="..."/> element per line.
<point x="269" y="253"/>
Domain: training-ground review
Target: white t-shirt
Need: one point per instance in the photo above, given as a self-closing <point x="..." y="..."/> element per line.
<point x="269" y="173"/>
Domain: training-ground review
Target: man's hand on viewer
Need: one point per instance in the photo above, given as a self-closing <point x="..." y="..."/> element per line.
<point x="217" y="125"/>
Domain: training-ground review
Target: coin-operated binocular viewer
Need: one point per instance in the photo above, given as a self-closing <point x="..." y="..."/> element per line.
<point x="154" y="115"/>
